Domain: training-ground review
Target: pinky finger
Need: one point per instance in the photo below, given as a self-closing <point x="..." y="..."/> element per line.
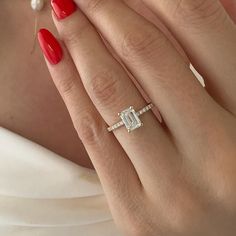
<point x="105" y="152"/>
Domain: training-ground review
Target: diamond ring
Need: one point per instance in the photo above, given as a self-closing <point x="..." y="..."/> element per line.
<point x="130" y="118"/>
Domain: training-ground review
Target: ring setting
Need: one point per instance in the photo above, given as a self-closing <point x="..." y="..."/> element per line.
<point x="130" y="118"/>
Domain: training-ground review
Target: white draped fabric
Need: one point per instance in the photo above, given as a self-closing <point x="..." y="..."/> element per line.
<point x="43" y="194"/>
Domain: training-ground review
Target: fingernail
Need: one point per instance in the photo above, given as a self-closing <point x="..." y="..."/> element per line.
<point x="50" y="46"/>
<point x="63" y="8"/>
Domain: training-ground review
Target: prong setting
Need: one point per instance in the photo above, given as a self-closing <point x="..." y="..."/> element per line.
<point x="130" y="118"/>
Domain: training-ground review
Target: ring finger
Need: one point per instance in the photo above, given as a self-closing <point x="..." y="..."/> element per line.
<point x="112" y="91"/>
<point x="104" y="150"/>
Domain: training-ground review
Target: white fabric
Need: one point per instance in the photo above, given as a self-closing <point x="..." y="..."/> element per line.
<point x="43" y="194"/>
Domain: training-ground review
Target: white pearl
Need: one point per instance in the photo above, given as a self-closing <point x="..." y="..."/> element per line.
<point x="37" y="5"/>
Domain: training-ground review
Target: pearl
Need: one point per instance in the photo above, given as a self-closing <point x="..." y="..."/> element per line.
<point x="37" y="5"/>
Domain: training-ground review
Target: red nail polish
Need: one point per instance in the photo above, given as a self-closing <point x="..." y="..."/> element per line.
<point x="50" y="46"/>
<point x="63" y="8"/>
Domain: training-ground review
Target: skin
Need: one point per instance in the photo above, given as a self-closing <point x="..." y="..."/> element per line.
<point x="37" y="114"/>
<point x="174" y="184"/>
<point x="40" y="115"/>
<point x="172" y="178"/>
<point x="27" y="116"/>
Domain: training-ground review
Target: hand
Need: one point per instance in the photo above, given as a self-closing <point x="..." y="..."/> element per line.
<point x="176" y="177"/>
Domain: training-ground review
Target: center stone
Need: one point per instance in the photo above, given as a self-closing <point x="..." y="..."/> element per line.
<point x="130" y="119"/>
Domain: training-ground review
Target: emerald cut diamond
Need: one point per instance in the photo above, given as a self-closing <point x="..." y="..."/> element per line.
<point x="130" y="119"/>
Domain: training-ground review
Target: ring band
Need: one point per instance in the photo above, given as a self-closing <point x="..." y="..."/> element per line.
<point x="130" y="118"/>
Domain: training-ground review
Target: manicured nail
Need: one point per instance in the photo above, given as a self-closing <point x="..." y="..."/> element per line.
<point x="50" y="46"/>
<point x="63" y="8"/>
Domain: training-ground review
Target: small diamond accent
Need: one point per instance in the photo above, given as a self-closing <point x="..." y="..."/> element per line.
<point x="130" y="118"/>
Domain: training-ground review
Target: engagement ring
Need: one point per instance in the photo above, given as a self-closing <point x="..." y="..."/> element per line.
<point x="130" y="118"/>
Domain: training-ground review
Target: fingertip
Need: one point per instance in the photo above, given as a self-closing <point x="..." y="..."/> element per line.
<point x="50" y="46"/>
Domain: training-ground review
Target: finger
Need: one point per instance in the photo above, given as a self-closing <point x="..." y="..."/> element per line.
<point x="208" y="36"/>
<point x="230" y="6"/>
<point x="105" y="152"/>
<point x="112" y="91"/>
<point x="140" y="7"/>
<point x="158" y="67"/>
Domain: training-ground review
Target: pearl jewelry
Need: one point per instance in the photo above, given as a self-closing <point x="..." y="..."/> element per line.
<point x="37" y="5"/>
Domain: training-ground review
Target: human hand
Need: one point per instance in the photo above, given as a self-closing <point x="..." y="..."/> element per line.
<point x="177" y="177"/>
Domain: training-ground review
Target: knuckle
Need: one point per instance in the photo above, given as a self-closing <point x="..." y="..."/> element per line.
<point x="227" y="196"/>
<point x="198" y="12"/>
<point x="93" y="6"/>
<point x="220" y="164"/>
<point x="181" y="221"/>
<point x="185" y="211"/>
<point x="89" y="127"/>
<point x="139" y="227"/>
<point x="136" y="230"/>
<point x="104" y="87"/>
<point x="66" y="85"/>
<point x="135" y="220"/>
<point x="134" y="215"/>
<point x="224" y="188"/>
<point x="142" y="43"/>
<point x="71" y="35"/>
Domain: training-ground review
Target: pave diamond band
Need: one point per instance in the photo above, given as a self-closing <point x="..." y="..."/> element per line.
<point x="130" y="118"/>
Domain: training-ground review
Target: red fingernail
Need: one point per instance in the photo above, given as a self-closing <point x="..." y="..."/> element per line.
<point x="50" y="46"/>
<point x="63" y="8"/>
